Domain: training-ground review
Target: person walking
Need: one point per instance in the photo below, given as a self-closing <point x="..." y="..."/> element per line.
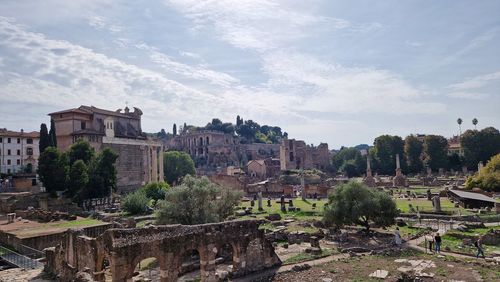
<point x="437" y="242"/>
<point x="397" y="238"/>
<point x="431" y="242"/>
<point x="479" y="247"/>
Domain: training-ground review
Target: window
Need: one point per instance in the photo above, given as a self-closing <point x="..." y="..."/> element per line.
<point x="8" y="140"/>
<point x="1" y="140"/>
<point x="83" y="124"/>
<point x="8" y="162"/>
<point x="29" y="151"/>
<point x="18" y="152"/>
<point x="18" y="162"/>
<point x="18" y="140"/>
<point x="8" y="152"/>
<point x="29" y="141"/>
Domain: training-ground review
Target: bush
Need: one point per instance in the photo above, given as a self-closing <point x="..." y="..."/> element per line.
<point x="136" y="203"/>
<point x="197" y="201"/>
<point x="488" y="178"/>
<point x="155" y="190"/>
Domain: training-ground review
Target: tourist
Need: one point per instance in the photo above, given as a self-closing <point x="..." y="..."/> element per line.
<point x="437" y="242"/>
<point x="431" y="242"/>
<point x="397" y="238"/>
<point x="479" y="247"/>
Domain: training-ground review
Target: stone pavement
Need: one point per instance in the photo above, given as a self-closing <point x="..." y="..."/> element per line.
<point x="21" y="275"/>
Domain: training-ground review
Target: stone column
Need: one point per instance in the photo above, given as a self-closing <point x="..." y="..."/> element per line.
<point x="169" y="267"/>
<point x="398" y="166"/>
<point x="259" y="201"/>
<point x="154" y="164"/>
<point x="479" y="166"/>
<point x="368" y="166"/>
<point x="437" y="203"/>
<point x="160" y="162"/>
<point x="207" y="263"/>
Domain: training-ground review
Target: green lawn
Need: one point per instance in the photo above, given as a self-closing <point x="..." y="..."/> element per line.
<point x="426" y="206"/>
<point x="306" y="210"/>
<point x="74" y="223"/>
<point x="307" y="256"/>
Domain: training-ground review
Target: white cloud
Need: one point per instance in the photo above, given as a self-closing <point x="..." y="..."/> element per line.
<point x="468" y="95"/>
<point x="476" y="82"/>
<point x="101" y="23"/>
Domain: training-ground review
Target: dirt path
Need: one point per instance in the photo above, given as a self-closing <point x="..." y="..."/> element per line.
<point x="288" y="267"/>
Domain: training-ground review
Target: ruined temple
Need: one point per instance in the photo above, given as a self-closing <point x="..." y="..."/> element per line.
<point x="140" y="159"/>
<point x="215" y="149"/>
<point x="123" y="249"/>
<point x="296" y="154"/>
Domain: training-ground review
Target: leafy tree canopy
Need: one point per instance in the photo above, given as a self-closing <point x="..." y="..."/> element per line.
<point x="196" y="201"/>
<point x="488" y="178"/>
<point x="355" y="203"/>
<point x="177" y="165"/>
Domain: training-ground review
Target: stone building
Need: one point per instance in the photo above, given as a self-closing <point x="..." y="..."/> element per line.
<point x="18" y="151"/>
<point x="454" y="146"/>
<point x="140" y="159"/>
<point x="295" y="154"/>
<point x="214" y="149"/>
<point x="263" y="169"/>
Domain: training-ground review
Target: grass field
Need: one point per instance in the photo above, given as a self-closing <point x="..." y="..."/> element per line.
<point x="306" y="209"/>
<point x="74" y="223"/>
<point x="426" y="206"/>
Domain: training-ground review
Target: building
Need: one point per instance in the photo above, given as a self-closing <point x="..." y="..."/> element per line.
<point x="471" y="200"/>
<point x="18" y="151"/>
<point x="215" y="149"/>
<point x="140" y="159"/>
<point x="454" y="146"/>
<point x="263" y="168"/>
<point x="295" y="154"/>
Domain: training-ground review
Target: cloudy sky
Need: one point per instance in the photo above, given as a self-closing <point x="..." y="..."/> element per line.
<point x="341" y="72"/>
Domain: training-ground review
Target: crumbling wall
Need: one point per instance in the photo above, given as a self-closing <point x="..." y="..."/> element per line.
<point x="124" y="248"/>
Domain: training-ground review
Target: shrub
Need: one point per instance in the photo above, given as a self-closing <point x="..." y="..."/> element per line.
<point x="135" y="203"/>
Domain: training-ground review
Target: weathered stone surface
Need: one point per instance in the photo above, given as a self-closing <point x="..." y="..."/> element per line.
<point x="123" y="249"/>
<point x="382" y="274"/>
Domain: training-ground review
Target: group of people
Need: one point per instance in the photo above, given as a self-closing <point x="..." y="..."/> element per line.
<point x="435" y="243"/>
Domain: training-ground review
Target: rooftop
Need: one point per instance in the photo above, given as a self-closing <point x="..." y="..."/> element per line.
<point x="91" y="110"/>
<point x="4" y="132"/>
<point x="472" y="196"/>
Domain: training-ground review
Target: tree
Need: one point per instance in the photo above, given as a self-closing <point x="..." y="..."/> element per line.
<point x="355" y="203"/>
<point x="102" y="173"/>
<point x="53" y="170"/>
<point x="386" y="147"/>
<point x="81" y="150"/>
<point x="196" y="201"/>
<point x="174" y="129"/>
<point x="436" y="152"/>
<point x="44" y="138"/>
<point x="52" y="134"/>
<point x="488" y="178"/>
<point x="459" y="121"/>
<point x="413" y="151"/>
<point x="155" y="190"/>
<point x="78" y="178"/>
<point x="480" y="145"/>
<point x="239" y="121"/>
<point x="349" y="161"/>
<point x="349" y="169"/>
<point x="455" y="162"/>
<point x="162" y="134"/>
<point x="177" y="165"/>
<point x="474" y="122"/>
<point x="136" y="203"/>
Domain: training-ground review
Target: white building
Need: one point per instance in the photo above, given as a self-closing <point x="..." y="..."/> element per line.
<point x="18" y="151"/>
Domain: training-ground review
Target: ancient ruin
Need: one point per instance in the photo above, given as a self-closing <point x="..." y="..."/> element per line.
<point x="399" y="180"/>
<point x="123" y="249"/>
<point x="369" y="179"/>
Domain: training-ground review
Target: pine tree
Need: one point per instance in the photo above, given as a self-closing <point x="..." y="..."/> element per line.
<point x="174" y="129"/>
<point x="44" y="138"/>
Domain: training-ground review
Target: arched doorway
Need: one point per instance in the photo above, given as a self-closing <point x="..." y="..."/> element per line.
<point x="190" y="266"/>
<point x="147" y="269"/>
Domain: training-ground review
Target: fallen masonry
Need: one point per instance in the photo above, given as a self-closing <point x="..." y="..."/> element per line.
<point x="123" y="249"/>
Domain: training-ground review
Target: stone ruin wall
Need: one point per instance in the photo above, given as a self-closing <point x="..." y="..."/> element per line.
<point x="125" y="248"/>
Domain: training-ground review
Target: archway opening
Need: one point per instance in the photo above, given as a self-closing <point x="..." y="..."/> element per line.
<point x="190" y="267"/>
<point x="224" y="261"/>
<point x="147" y="269"/>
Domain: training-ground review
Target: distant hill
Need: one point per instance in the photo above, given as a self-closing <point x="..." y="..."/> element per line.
<point x="362" y="147"/>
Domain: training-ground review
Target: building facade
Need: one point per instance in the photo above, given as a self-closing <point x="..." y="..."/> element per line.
<point x="140" y="159"/>
<point x="455" y="147"/>
<point x="212" y="150"/>
<point x="296" y="154"/>
<point x="18" y="151"/>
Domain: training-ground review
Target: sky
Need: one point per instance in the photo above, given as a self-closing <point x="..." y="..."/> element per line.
<point x="340" y="72"/>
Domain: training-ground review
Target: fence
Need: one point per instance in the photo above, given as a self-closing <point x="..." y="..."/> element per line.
<point x="19" y="260"/>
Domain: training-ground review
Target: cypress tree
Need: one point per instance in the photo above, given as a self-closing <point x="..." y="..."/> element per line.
<point x="174" y="129"/>
<point x="52" y="134"/>
<point x="44" y="138"/>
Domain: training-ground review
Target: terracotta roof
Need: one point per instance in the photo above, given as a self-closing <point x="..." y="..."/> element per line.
<point x="261" y="162"/>
<point x="91" y="110"/>
<point x="10" y="133"/>
<point x="75" y="110"/>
